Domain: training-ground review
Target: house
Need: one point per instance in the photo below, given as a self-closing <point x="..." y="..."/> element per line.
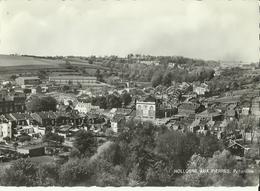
<point x="32" y="150"/>
<point x="185" y="87"/>
<point x="117" y="122"/>
<point x="28" y="129"/>
<point x="12" y="103"/>
<point x="236" y="149"/>
<point x="21" y="119"/>
<point x="76" y="118"/>
<point x="210" y="114"/>
<point x="175" y="125"/>
<point x="45" y="118"/>
<point x="200" y="126"/>
<point x="5" y="130"/>
<point x="187" y="108"/>
<point x="119" y="111"/>
<point x="31" y="80"/>
<point x="145" y="110"/>
<point x="36" y="90"/>
<point x="202" y="89"/>
<point x="85" y="107"/>
<point x="64" y="130"/>
<point x="39" y="130"/>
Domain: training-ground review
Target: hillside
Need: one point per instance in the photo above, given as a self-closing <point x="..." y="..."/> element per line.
<point x="30" y="65"/>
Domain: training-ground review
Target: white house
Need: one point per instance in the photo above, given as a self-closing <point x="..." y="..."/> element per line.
<point x="85" y="107"/>
<point x="201" y="89"/>
<point x="5" y="130"/>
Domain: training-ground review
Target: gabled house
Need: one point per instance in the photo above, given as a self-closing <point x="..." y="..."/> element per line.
<point x="22" y="119"/>
<point x="200" y="126"/>
<point x="236" y="149"/>
<point x="210" y="114"/>
<point x="117" y="122"/>
<point x="71" y="118"/>
<point x="45" y="118"/>
<point x="201" y="89"/>
<point x="188" y="108"/>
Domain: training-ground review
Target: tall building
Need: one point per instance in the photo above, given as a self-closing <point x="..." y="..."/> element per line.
<point x="145" y="110"/>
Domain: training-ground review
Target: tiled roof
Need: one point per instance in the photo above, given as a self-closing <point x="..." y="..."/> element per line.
<point x="47" y="115"/>
<point x="118" y="117"/>
<point x="189" y="106"/>
<point x="18" y="116"/>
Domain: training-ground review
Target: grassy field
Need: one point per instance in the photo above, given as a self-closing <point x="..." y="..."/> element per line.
<point x="25" y="65"/>
<point x="8" y="60"/>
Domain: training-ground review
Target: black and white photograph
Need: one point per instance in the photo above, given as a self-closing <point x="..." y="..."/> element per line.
<point x="129" y="93"/>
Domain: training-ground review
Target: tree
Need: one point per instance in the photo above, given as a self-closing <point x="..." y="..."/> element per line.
<point x="157" y="78"/>
<point x="45" y="103"/>
<point x="68" y="65"/>
<point x="110" y="152"/>
<point x="223" y="170"/>
<point x="176" y="146"/>
<point x="99" y="75"/>
<point x="126" y="98"/>
<point x="231" y="127"/>
<point x="42" y="74"/>
<point x="13" y="77"/>
<point x="224" y="160"/>
<point x="208" y="145"/>
<point x="167" y="79"/>
<point x="65" y="88"/>
<point x="21" y="173"/>
<point x="248" y="124"/>
<point x="100" y="101"/>
<point x="70" y="83"/>
<point x="106" y="174"/>
<point x="194" y="178"/>
<point x="75" y="172"/>
<point x="79" y="85"/>
<point x="85" y="142"/>
<point x="114" y="101"/>
<point x="53" y="138"/>
<point x="47" y="175"/>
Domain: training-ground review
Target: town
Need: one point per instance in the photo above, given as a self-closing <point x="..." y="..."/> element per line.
<point x="134" y="120"/>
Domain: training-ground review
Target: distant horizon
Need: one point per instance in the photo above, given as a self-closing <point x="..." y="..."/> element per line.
<point x="223" y="61"/>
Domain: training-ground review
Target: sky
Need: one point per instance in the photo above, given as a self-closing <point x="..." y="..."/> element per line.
<point x="209" y="29"/>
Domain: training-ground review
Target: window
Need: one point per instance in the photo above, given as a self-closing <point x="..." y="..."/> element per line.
<point x="151" y="111"/>
<point x="139" y="110"/>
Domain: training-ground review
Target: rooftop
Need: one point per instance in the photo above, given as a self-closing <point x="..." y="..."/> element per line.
<point x="73" y="77"/>
<point x="29" y="77"/>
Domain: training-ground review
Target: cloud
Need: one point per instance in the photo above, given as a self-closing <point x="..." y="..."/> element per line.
<point x="202" y="29"/>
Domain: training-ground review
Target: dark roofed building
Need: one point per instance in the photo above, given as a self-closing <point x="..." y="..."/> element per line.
<point x="30" y="80"/>
<point x="236" y="149"/>
<point x="19" y="118"/>
<point x="12" y="103"/>
<point x="45" y="118"/>
<point x="210" y="114"/>
<point x="188" y="108"/>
